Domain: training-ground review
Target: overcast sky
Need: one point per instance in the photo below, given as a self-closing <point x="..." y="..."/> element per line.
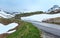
<point x="27" y="5"/>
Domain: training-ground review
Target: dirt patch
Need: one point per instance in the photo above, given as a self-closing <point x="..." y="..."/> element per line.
<point x="3" y="35"/>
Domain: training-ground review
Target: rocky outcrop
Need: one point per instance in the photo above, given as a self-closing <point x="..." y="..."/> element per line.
<point x="53" y="20"/>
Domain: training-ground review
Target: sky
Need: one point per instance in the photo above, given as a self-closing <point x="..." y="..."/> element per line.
<point x="27" y="5"/>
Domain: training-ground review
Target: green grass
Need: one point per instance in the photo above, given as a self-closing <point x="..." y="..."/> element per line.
<point x="25" y="30"/>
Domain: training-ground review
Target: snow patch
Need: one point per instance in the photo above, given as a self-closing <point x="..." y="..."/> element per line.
<point x="11" y="31"/>
<point x="40" y="17"/>
<point x="6" y="28"/>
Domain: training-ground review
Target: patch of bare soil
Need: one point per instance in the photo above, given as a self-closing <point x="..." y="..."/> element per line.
<point x="3" y="35"/>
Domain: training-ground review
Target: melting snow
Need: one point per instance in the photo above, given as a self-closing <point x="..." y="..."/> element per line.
<point x="11" y="31"/>
<point x="6" y="28"/>
<point x="40" y="17"/>
<point x="4" y="15"/>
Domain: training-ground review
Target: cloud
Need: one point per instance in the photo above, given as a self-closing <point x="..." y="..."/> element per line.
<point x="27" y="5"/>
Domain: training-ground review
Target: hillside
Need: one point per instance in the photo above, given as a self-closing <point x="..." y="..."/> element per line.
<point x="17" y="16"/>
<point x="5" y="15"/>
<point x="24" y="30"/>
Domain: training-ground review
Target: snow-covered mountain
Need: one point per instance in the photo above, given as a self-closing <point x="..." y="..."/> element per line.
<point x="54" y="9"/>
<point x="5" y="15"/>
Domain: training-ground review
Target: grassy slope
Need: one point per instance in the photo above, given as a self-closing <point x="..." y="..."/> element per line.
<point x="28" y="14"/>
<point x="24" y="30"/>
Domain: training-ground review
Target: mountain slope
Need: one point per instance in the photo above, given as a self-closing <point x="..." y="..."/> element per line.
<point x="5" y="15"/>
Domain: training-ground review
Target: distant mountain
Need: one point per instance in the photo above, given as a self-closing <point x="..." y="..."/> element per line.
<point x="5" y="15"/>
<point x="54" y="9"/>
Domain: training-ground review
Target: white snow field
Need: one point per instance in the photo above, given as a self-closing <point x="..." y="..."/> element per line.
<point x="40" y="17"/>
<point x="5" y="15"/>
<point x="6" y="28"/>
